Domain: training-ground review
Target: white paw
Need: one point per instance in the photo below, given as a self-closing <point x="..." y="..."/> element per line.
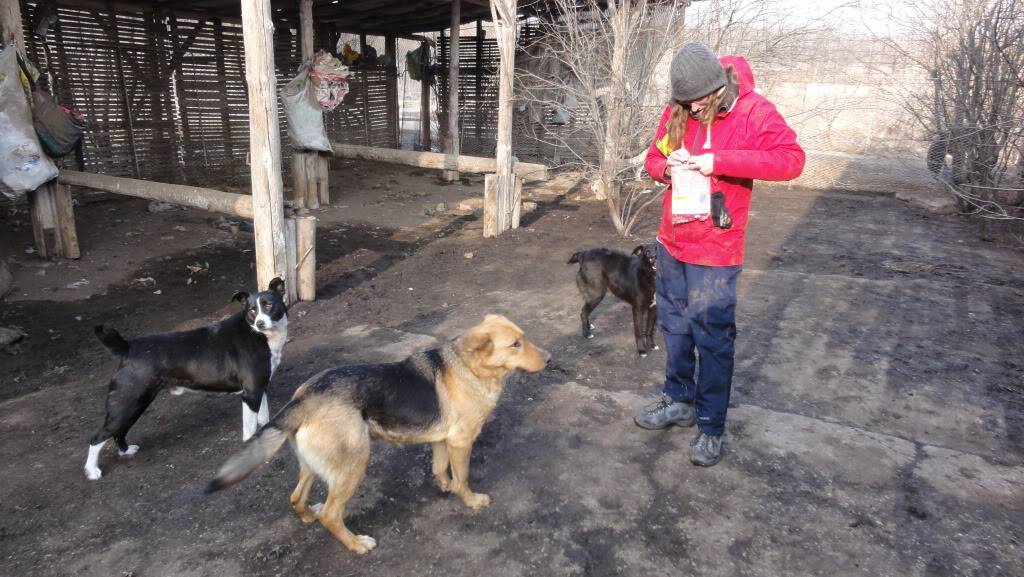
<point x="132" y="449"/>
<point x="657" y="348"/>
<point x="590" y="336"/>
<point x="93" y="474"/>
<point x="643" y="355"/>
<point x="591" y="325"/>
<point x="366" y="541"/>
<point x="316" y="507"/>
<point x="178" y="391"/>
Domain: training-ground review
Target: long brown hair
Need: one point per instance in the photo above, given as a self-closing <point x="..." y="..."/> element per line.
<point x="720" y="100"/>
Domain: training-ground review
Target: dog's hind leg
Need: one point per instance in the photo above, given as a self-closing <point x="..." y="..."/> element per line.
<point x="337" y="448"/>
<point x="125" y="404"/>
<point x="588" y="307"/>
<point x="440" y="466"/>
<point x="300" y="496"/>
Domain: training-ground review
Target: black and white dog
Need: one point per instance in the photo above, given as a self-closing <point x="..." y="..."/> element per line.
<point x="237" y="355"/>
<point x="629" y="277"/>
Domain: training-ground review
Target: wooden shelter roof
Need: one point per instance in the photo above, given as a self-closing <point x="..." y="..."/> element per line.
<point x="400" y="17"/>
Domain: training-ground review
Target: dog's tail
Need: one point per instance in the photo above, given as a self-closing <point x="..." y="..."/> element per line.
<point x="113" y="340"/>
<point x="257" y="450"/>
<point x="575" y="257"/>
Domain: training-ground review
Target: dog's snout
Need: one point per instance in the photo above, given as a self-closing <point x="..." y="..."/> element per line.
<point x="261" y="325"/>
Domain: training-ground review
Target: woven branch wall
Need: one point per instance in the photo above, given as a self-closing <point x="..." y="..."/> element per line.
<point x="165" y="97"/>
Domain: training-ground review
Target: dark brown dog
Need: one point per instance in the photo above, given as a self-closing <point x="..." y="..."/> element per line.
<point x="629" y="277"/>
<point x="441" y="396"/>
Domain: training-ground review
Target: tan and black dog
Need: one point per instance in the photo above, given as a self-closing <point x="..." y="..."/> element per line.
<point x="441" y="396"/>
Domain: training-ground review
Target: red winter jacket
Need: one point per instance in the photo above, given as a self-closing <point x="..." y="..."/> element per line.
<point x="749" y="141"/>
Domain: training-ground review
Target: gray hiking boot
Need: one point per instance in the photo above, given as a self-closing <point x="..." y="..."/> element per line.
<point x="664" y="413"/>
<point x="707" y="450"/>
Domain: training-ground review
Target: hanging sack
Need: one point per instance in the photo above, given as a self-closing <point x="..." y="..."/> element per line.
<point x="23" y="165"/>
<point x="305" y="118"/>
<point x="330" y="79"/>
<point x="59" y="129"/>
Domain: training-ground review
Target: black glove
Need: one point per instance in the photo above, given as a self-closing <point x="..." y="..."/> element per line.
<point x="719" y="214"/>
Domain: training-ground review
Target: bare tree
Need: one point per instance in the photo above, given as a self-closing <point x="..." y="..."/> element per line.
<point x="600" y="62"/>
<point x="972" y="51"/>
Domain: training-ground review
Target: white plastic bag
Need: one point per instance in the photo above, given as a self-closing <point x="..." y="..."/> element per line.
<point x="330" y="79"/>
<point x="23" y="166"/>
<point x="305" y="118"/>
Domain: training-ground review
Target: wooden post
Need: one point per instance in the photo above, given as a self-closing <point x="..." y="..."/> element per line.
<point x="123" y="89"/>
<point x="503" y="14"/>
<point x="264" y="140"/>
<point x="10" y="24"/>
<point x="451" y="173"/>
<point x="306" y="28"/>
<point x="65" y="211"/>
<point x="365" y="92"/>
<point x="45" y="216"/>
<point x="291" y="283"/>
<point x="305" y="254"/>
<point x="391" y="54"/>
<point x="478" y="88"/>
<point x="425" y="106"/>
<point x="305" y="163"/>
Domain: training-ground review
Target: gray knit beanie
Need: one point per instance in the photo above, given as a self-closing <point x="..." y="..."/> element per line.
<point x="695" y="72"/>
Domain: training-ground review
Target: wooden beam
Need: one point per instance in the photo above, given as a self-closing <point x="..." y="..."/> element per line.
<point x="264" y="140"/>
<point x="503" y="14"/>
<point x="64" y="208"/>
<point x="364" y="91"/>
<point x="425" y="105"/>
<point x="451" y="173"/>
<point x="473" y="164"/>
<point x="240" y="205"/>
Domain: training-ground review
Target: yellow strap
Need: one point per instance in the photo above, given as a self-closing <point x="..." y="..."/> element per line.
<point x="664" y="146"/>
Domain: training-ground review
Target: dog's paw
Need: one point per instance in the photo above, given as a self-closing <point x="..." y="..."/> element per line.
<point x="93" y="474"/>
<point x="444" y="484"/>
<point x="588" y="336"/>
<point x="476" y="501"/>
<point x="643" y="355"/>
<point x="363" y="544"/>
<point x="307" y="516"/>
<point x="177" y="391"/>
<point x="132" y="449"/>
<point x="655" y="348"/>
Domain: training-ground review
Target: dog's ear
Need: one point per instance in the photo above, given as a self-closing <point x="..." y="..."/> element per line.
<point x="240" y="296"/>
<point x="277" y="285"/>
<point x="478" y="341"/>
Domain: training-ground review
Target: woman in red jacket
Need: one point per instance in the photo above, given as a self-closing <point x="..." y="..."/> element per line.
<point x="716" y="135"/>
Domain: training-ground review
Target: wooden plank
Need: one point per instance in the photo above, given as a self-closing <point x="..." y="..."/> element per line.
<point x="478" y="80"/>
<point x="323" y="175"/>
<point x="474" y="164"/>
<point x="264" y="140"/>
<point x="490" y="206"/>
<point x="240" y="205"/>
<point x="290" y="278"/>
<point x="451" y="173"/>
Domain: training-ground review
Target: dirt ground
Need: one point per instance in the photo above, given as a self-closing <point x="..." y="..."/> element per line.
<point x="876" y="428"/>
